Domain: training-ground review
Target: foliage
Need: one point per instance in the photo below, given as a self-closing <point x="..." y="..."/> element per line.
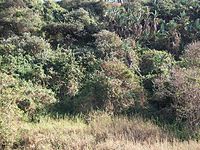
<point x="192" y="55"/>
<point x="179" y="96"/>
<point x="25" y="56"/>
<point x="155" y="62"/>
<point x="76" y="25"/>
<point x="114" y="89"/>
<point x="18" y="21"/>
<point x="51" y="11"/>
<point x="110" y="45"/>
<point x="161" y="24"/>
<point x="19" y="98"/>
<point x="8" y="111"/>
<point x="107" y="43"/>
<point x="65" y="74"/>
<point x="96" y="55"/>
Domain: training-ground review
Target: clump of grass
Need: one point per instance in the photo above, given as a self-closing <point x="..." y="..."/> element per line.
<point x="165" y="145"/>
<point x="54" y="134"/>
<point x="104" y="126"/>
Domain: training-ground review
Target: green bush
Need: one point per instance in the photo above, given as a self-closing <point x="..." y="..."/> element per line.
<point x="18" y="21"/>
<point x="26" y="45"/>
<point x="110" y="45"/>
<point x="25" y="56"/>
<point x="70" y="24"/>
<point x="163" y="24"/>
<point x="65" y="74"/>
<point x="165" y="7"/>
<point x="115" y="89"/>
<point x="9" y="113"/>
<point x="87" y="59"/>
<point x="28" y="97"/>
<point x="126" y="20"/>
<point x="12" y="3"/>
<point x="51" y="11"/>
<point x="76" y="25"/>
<point x="107" y="43"/>
<point x="155" y="62"/>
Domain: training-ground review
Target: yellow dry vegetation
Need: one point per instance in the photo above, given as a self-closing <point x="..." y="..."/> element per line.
<point x="99" y="132"/>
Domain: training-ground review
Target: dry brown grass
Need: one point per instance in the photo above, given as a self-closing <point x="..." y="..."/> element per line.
<point x="128" y="145"/>
<point x="102" y="132"/>
<point x="104" y="127"/>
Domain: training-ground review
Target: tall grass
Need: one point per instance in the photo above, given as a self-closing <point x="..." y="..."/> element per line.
<point x="98" y="131"/>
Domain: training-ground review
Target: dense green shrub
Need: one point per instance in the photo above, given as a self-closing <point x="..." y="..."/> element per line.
<point x="94" y="6"/>
<point x="80" y="15"/>
<point x="32" y="99"/>
<point x="25" y="56"/>
<point x="110" y="45"/>
<point x="77" y="25"/>
<point x="76" y="20"/>
<point x="115" y="89"/>
<point x="162" y="24"/>
<point x="126" y="20"/>
<point x="12" y="3"/>
<point x="26" y="45"/>
<point x="87" y="59"/>
<point x="19" y="3"/>
<point x="164" y="7"/>
<point x="51" y="11"/>
<point x="18" y="21"/>
<point x="8" y="110"/>
<point x="24" y="68"/>
<point x="65" y="74"/>
<point x="107" y="43"/>
<point x="155" y="62"/>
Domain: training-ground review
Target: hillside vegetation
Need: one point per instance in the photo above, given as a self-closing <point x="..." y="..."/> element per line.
<point x="88" y="74"/>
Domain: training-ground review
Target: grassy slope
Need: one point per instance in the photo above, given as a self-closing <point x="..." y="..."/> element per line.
<point x="101" y="132"/>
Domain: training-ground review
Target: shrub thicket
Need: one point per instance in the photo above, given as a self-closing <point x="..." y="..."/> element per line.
<point x="114" y="89"/>
<point x="179" y="96"/>
<point x="95" y="55"/>
<point x="25" y="56"/>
